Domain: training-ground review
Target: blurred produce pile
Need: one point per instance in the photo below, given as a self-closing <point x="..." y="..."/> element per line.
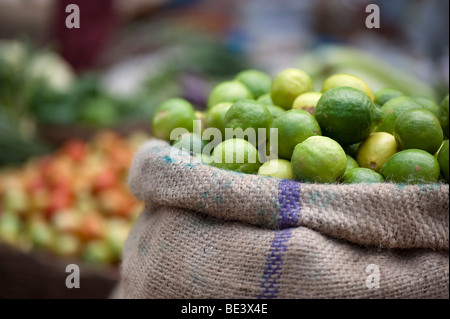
<point x="67" y="139"/>
<point x="73" y="202"/>
<point x="43" y="101"/>
<point x="38" y="88"/>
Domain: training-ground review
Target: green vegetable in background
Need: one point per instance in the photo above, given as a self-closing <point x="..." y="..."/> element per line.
<point x="14" y="146"/>
<point x="98" y="112"/>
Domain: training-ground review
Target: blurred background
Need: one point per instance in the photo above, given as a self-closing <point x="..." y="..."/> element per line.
<point x="76" y="103"/>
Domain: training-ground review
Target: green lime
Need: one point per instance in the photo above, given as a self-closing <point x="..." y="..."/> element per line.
<point x="215" y="116"/>
<point x="383" y="95"/>
<point x="412" y="167"/>
<point x="275" y="111"/>
<point x="393" y="108"/>
<point x="279" y="168"/>
<point x="442" y="158"/>
<point x="351" y="164"/>
<point x="443" y="115"/>
<point x="419" y="129"/>
<point x="307" y="101"/>
<point x="248" y="114"/>
<point x="428" y="104"/>
<point x="348" y="80"/>
<point x="190" y="142"/>
<point x="294" y="126"/>
<point x="347" y="115"/>
<point x="265" y="99"/>
<point x="256" y="81"/>
<point x="236" y="155"/>
<point x="362" y="175"/>
<point x="375" y="150"/>
<point x="171" y="114"/>
<point x="289" y="84"/>
<point x="318" y="159"/>
<point x="228" y="91"/>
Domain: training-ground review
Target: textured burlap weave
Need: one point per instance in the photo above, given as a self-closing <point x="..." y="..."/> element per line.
<point x="210" y="233"/>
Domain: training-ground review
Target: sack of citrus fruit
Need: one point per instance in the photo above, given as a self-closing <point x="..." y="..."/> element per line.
<point x="304" y="200"/>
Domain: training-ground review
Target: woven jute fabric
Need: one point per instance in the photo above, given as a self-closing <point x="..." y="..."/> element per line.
<point x="211" y="233"/>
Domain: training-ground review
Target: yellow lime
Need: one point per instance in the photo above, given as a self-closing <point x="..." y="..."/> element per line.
<point x="289" y="84"/>
<point x="374" y="151"/>
<point x="349" y="80"/>
<point x="307" y="101"/>
<point x="279" y="168"/>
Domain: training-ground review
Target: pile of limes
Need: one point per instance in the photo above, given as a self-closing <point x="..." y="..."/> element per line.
<point x="281" y="127"/>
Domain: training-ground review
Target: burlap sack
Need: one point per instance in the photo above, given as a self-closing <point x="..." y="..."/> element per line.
<point x="210" y="233"/>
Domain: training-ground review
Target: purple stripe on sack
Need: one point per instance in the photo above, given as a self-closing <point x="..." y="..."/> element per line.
<point x="290" y="212"/>
<point x="274" y="264"/>
<point x="290" y="203"/>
